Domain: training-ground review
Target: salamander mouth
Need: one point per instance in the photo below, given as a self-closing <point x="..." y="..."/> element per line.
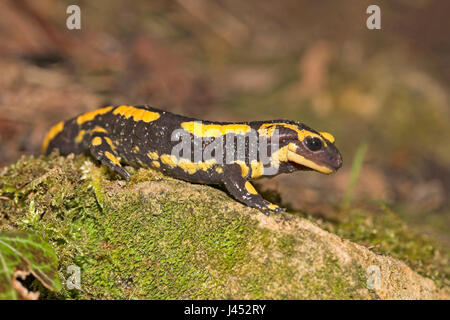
<point x="296" y="158"/>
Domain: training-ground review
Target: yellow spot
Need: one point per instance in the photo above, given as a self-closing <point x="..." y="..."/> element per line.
<point x="257" y="169"/>
<point x="136" y="149"/>
<point x="219" y="169"/>
<point x="187" y="166"/>
<point x="52" y="133"/>
<point x="169" y="160"/>
<point x="327" y="136"/>
<point x="192" y="167"/>
<point x="110" y="143"/>
<point x="156" y="164"/>
<point x="137" y="114"/>
<point x="273" y="206"/>
<point x="244" y="168"/>
<point x="205" y="165"/>
<point x="112" y="158"/>
<point x="91" y="115"/>
<point x="294" y="157"/>
<point x="152" y="155"/>
<point x="80" y="136"/>
<point x="96" y="141"/>
<point x="267" y="129"/>
<point x="99" y="129"/>
<point x="214" y="130"/>
<point x="250" y="188"/>
<point x="279" y="156"/>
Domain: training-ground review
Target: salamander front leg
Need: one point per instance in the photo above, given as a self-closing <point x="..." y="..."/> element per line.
<point x="244" y="192"/>
<point x="102" y="148"/>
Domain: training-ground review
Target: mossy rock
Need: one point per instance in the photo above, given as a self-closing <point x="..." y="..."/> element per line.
<point x="159" y="238"/>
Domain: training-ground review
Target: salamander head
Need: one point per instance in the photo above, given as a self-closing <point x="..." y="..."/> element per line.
<point x="306" y="148"/>
<point x="316" y="152"/>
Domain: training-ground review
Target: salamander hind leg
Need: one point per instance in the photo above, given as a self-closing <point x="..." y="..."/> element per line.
<point x="243" y="191"/>
<point x="102" y="149"/>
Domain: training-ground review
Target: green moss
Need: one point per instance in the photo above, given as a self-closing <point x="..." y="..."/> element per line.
<point x="386" y="233"/>
<point x="159" y="238"/>
<point x="328" y="280"/>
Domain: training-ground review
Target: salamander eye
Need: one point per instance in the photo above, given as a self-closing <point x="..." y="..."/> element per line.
<point x="313" y="143"/>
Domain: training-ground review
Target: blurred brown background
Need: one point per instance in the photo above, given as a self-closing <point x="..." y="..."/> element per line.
<point x="313" y="61"/>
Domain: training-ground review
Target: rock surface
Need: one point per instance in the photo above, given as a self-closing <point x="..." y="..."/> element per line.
<point x="160" y="238"/>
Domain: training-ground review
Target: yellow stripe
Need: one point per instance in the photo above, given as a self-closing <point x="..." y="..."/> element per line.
<point x="169" y="160"/>
<point x="91" y="115"/>
<point x="137" y="114"/>
<point x="99" y="129"/>
<point x="244" y="168"/>
<point x="112" y="158"/>
<point x="205" y="165"/>
<point x="187" y="166"/>
<point x="214" y="130"/>
<point x="279" y="156"/>
<point x="52" y="133"/>
<point x="257" y="169"/>
<point x="80" y="136"/>
<point x="294" y="157"/>
<point x="110" y="143"/>
<point x="250" y="188"/>
<point x="327" y="136"/>
<point x="267" y="129"/>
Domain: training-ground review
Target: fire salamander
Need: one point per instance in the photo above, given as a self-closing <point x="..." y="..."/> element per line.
<point x="230" y="154"/>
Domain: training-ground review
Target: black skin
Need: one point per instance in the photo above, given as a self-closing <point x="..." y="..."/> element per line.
<point x="114" y="138"/>
<point x="235" y="185"/>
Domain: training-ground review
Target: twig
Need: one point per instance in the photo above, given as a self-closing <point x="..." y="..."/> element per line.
<point x="10" y="200"/>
